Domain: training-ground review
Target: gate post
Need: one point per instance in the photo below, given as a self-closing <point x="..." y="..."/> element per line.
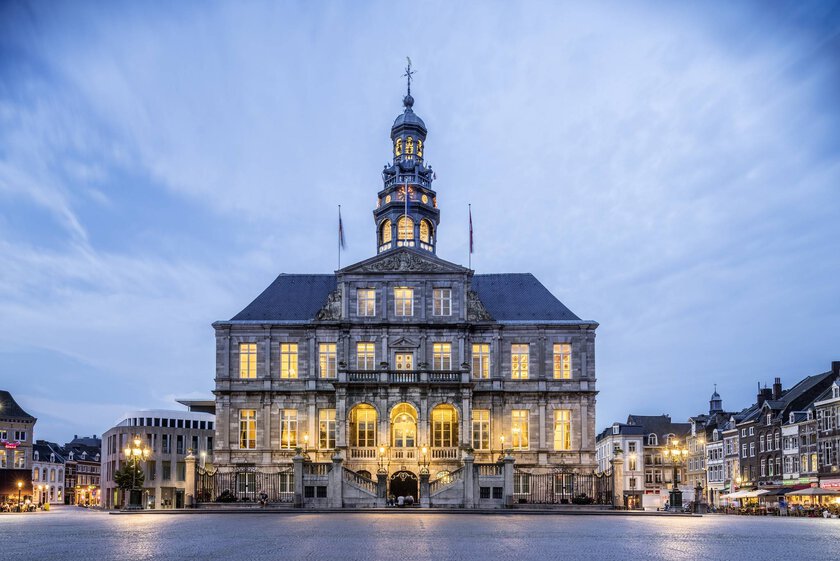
<point x="335" y="491"/>
<point x="508" y="486"/>
<point x="298" y="466"/>
<point x="381" y="488"/>
<point x="189" y="481"/>
<point x="617" y="481"/>
<point x="425" y="491"/>
<point x="469" y="486"/>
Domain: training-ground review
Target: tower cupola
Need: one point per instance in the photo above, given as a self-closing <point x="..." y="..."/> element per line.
<point x="406" y="213"/>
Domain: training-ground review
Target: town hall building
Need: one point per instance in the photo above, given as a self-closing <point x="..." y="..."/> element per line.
<point x="406" y="363"/>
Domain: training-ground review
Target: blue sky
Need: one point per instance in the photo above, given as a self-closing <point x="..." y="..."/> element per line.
<point x="671" y="171"/>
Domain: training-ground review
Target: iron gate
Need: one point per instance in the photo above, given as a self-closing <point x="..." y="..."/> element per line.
<point x="562" y="487"/>
<point x="244" y="484"/>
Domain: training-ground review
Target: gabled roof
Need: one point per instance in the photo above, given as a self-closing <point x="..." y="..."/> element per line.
<point x="660" y="425"/>
<point x="519" y="297"/>
<point x="9" y="408"/>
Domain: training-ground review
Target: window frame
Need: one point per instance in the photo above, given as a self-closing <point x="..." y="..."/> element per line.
<point x="480" y="427"/>
<point x="519" y="368"/>
<point x="366" y="302"/>
<point x="520" y="419"/>
<point x="328" y="360"/>
<point x="247" y="429"/>
<point x="289" y="355"/>
<point x="562" y="432"/>
<point x="442" y="356"/>
<point x="403" y="297"/>
<point x="442" y="302"/>
<point x="289" y="429"/>
<point x="365" y="355"/>
<point x="481" y="354"/>
<point x="247" y="360"/>
<point x="562" y="361"/>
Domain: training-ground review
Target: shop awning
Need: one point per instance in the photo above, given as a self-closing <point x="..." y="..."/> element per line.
<point x="813" y="492"/>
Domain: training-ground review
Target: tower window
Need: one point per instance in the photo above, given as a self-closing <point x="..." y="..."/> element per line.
<point x="385" y="232"/>
<point x="409" y="145"/>
<point x="426" y="231"/>
<point x="405" y="228"/>
<point x="419" y="148"/>
<point x="398" y="147"/>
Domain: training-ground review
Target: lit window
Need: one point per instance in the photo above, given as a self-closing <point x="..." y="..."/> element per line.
<point x="365" y="356"/>
<point x="563" y="429"/>
<point x="327" y="360"/>
<point x="426" y="231"/>
<point x="519" y="429"/>
<point x="326" y="429"/>
<point x="481" y="429"/>
<point x="519" y="361"/>
<point x="247" y="360"/>
<point x="247" y="428"/>
<point x="288" y="360"/>
<point x="444" y="427"/>
<point x="562" y="361"/>
<point x="385" y="232"/>
<point x="409" y="145"/>
<point x="398" y="147"/>
<point x="363" y="426"/>
<point x="419" y="147"/>
<point x="366" y="302"/>
<point x="403" y="302"/>
<point x="441" y="356"/>
<point x="442" y="302"/>
<point x="405" y="228"/>
<point x="481" y="360"/>
<point x="288" y="428"/>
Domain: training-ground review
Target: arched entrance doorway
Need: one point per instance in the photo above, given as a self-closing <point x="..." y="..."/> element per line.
<point x="404" y="483"/>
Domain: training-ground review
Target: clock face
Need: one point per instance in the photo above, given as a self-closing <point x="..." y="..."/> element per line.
<point x="387" y="199"/>
<point x="425" y="199"/>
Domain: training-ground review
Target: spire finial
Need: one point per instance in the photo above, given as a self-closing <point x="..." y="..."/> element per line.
<point x="408" y="73"/>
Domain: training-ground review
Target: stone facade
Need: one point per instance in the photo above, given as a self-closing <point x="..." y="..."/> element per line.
<point x="405" y="361"/>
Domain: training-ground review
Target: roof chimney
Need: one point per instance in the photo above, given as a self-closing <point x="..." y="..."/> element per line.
<point x="75" y="436"/>
<point x="835" y="367"/>
<point x="777" y="388"/>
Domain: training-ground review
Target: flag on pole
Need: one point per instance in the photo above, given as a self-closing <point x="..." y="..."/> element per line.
<point x="471" y="231"/>
<point x="341" y="243"/>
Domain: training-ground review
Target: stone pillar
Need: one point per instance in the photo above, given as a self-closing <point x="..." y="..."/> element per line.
<point x="381" y="488"/>
<point x="618" y="480"/>
<point x="425" y="499"/>
<point x="469" y="481"/>
<point x="189" y="481"/>
<point x="298" y="470"/>
<point x="508" y="474"/>
<point x="335" y="483"/>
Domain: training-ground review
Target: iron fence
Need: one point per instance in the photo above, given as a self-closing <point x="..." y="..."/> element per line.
<point x="244" y="484"/>
<point x="562" y="487"/>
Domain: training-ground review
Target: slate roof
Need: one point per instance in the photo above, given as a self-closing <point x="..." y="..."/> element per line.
<point x="660" y="425"/>
<point x="9" y="408"/>
<point x="519" y="297"/>
<point x="289" y="298"/>
<point x="44" y="449"/>
<point x="507" y="297"/>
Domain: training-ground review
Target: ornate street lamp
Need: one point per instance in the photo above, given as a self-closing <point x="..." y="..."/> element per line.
<point x="424" y="461"/>
<point x="383" y="464"/>
<point x="677" y="455"/>
<point x="306" y="447"/>
<point x="138" y="453"/>
<point x="502" y="449"/>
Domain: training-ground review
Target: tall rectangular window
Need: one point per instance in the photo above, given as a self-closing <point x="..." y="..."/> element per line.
<point x="326" y="429"/>
<point x="247" y="360"/>
<point x="519" y="361"/>
<point x="441" y="356"/>
<point x="365" y="427"/>
<point x="20" y="459"/>
<point x="288" y="428"/>
<point x="404" y="361"/>
<point x="403" y="302"/>
<point x="442" y="302"/>
<point x="326" y="360"/>
<point x="247" y="429"/>
<point x="519" y="429"/>
<point x="563" y="429"/>
<point x="481" y="429"/>
<point x="562" y="361"/>
<point x="366" y="302"/>
<point x="481" y="361"/>
<point x="365" y="356"/>
<point x="179" y="444"/>
<point x="288" y="360"/>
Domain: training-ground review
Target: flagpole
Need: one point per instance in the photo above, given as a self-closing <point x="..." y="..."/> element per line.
<point x="469" y="206"/>
<point x="339" y="236"/>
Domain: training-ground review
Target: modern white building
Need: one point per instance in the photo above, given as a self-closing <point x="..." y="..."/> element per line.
<point x="629" y="440"/>
<point x="47" y="473"/>
<point x="170" y="436"/>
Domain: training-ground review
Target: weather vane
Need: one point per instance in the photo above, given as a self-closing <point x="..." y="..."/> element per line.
<point x="408" y="73"/>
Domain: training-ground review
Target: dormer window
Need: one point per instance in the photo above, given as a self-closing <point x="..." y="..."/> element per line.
<point x="652" y="440"/>
<point x="835" y="391"/>
<point x="37" y="458"/>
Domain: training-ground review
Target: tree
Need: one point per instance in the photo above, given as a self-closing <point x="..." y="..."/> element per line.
<point x="129" y="476"/>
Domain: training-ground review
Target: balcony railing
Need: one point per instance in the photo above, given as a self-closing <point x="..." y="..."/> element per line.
<point x="404" y="376"/>
<point x="445" y="453"/>
<point x="411" y="179"/>
<point x="403" y="454"/>
<point x="363" y="453"/>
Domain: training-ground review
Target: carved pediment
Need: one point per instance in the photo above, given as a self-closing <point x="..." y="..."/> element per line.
<point x="404" y="343"/>
<point x="475" y="308"/>
<point x="404" y="261"/>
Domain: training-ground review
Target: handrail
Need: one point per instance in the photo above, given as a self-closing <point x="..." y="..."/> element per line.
<point x="360" y="481"/>
<point x="446" y="481"/>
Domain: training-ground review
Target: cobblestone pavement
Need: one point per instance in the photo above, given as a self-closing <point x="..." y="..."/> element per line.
<point x="71" y="533"/>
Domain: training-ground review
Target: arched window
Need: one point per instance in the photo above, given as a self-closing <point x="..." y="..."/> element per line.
<point x="405" y="228"/>
<point x="398" y="147"/>
<point x="363" y="426"/>
<point x="35" y="472"/>
<point x="426" y="231"/>
<point x="652" y="440"/>
<point x="403" y="426"/>
<point x="385" y="232"/>
<point x="419" y="147"/>
<point x="444" y="427"/>
<point x="409" y="145"/>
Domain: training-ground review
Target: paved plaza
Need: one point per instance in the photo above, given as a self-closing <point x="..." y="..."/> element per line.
<point x="83" y="534"/>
